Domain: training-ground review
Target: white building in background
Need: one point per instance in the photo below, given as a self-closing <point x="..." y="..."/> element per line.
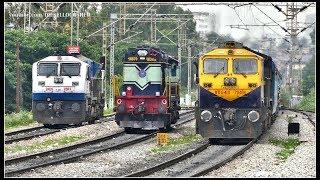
<point x="205" y="22"/>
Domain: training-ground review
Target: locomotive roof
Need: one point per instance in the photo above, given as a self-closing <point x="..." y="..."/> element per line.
<point x="94" y="66"/>
<point x="152" y="52"/>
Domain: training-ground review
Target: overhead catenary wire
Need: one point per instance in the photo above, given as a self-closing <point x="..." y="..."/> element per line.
<point x="272" y="19"/>
<point x="132" y="25"/>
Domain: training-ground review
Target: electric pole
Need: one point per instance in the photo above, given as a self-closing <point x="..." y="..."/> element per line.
<point x="111" y="53"/>
<point x="18" y="86"/>
<point x="153" y="29"/>
<point x="189" y="71"/>
<point x="292" y="30"/>
<point x="75" y="21"/>
<point x="104" y="55"/>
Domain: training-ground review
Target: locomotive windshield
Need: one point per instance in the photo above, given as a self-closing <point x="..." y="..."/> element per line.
<point x="217" y="66"/>
<point x="142" y="76"/>
<point x="70" y="69"/>
<point x="47" y="69"/>
<point x="245" y="66"/>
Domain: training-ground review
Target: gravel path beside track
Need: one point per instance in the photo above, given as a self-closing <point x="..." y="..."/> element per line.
<point x="89" y="131"/>
<point x="115" y="163"/>
<point x="261" y="160"/>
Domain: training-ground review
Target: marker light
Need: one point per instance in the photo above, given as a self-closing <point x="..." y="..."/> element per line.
<point x="142" y="52"/>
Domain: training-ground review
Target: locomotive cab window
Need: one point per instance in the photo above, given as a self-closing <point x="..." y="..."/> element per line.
<point x="215" y="66"/>
<point x="245" y="66"/>
<point x="47" y="69"/>
<point x="70" y="69"/>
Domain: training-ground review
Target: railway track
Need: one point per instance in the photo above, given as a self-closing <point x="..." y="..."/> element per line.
<point x="37" y="131"/>
<point x="196" y="162"/>
<point x="33" y="132"/>
<point x="74" y="152"/>
<point x="200" y="160"/>
<point x="304" y="113"/>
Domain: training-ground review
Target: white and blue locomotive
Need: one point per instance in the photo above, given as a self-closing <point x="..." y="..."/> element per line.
<point x="67" y="89"/>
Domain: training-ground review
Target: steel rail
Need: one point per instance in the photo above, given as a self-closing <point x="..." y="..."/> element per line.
<point x="224" y="161"/>
<point x="37" y="131"/>
<point x="168" y="163"/>
<point x="302" y="112"/>
<point x="87" y="150"/>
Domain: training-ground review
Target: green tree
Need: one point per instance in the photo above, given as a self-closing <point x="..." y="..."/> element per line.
<point x="308" y="76"/>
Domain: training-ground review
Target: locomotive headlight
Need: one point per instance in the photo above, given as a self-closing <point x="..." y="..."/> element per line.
<point x="119" y="101"/>
<point x="232" y="81"/>
<point x="75" y="107"/>
<point x="40" y="106"/>
<point x="41" y="83"/>
<point x="226" y="81"/>
<point x="253" y="116"/>
<point x="157" y="93"/>
<point x="206" y="115"/>
<point x="124" y="94"/>
<point x="142" y="52"/>
<point x="164" y="101"/>
<point x="48" y="99"/>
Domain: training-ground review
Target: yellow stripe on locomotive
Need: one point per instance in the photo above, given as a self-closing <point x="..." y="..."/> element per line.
<point x="229" y="82"/>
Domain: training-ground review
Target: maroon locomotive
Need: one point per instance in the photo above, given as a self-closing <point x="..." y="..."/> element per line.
<point x="149" y="97"/>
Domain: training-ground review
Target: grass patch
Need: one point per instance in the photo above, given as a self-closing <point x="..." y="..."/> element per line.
<point x="288" y="146"/>
<point x="308" y="102"/>
<point x="42" y="145"/>
<point x="15" y="120"/>
<point x="176" y="143"/>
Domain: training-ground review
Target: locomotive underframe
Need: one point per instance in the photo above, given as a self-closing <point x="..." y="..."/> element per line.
<point x="63" y="115"/>
<point x="143" y="121"/>
<point x="218" y="128"/>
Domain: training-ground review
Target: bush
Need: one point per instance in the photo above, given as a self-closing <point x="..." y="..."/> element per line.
<point x="14" y="120"/>
<point x="308" y="102"/>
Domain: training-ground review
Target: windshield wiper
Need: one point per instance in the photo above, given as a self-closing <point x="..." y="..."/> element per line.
<point x="241" y="72"/>
<point x="218" y="72"/>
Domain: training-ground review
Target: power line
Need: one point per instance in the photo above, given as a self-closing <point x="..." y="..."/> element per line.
<point x="272" y="19"/>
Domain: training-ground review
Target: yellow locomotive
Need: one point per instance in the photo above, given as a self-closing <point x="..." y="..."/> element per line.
<point x="238" y="90"/>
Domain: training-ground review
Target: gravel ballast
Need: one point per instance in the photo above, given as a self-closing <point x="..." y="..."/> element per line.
<point x="87" y="131"/>
<point x="259" y="161"/>
<point x="118" y="162"/>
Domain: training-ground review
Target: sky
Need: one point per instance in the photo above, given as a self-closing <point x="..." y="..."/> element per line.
<point x="251" y="15"/>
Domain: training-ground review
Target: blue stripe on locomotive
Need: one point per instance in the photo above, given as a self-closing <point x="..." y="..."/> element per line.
<point x="208" y="100"/>
<point x="59" y="96"/>
<point x="150" y="90"/>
